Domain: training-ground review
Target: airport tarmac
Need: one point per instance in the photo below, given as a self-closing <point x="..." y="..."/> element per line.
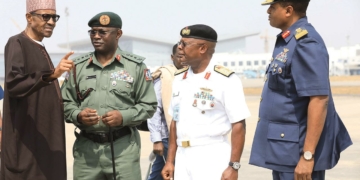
<point x="347" y="107"/>
<point x="347" y="168"/>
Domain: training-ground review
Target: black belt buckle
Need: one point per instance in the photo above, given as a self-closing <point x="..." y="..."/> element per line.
<point x="103" y="138"/>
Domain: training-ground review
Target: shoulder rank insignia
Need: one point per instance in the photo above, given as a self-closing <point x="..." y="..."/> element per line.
<point x="156" y="74"/>
<point x="300" y="33"/>
<point x="132" y="57"/>
<point x="181" y="70"/>
<point x="82" y="58"/>
<point x="223" y="70"/>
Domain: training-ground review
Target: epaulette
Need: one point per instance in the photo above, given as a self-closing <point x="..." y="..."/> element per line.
<point x="132" y="57"/>
<point x="223" y="70"/>
<point x="181" y="70"/>
<point x="300" y="32"/>
<point x="155" y="75"/>
<point x="82" y="58"/>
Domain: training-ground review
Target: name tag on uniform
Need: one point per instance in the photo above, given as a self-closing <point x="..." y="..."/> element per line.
<point x="176" y="94"/>
<point x="91" y="77"/>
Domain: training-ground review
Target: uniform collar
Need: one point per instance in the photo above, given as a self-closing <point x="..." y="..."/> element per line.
<point x="292" y="29"/>
<point x="209" y="68"/>
<point x="117" y="58"/>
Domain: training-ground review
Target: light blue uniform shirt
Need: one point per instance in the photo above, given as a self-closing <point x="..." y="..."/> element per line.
<point x="157" y="124"/>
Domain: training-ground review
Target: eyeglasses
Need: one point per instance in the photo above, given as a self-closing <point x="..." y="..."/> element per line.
<point x="46" y="17"/>
<point x="100" y="32"/>
<point x="184" y="44"/>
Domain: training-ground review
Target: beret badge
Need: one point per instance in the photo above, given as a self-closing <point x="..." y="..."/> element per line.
<point x="104" y="20"/>
<point x="185" y="31"/>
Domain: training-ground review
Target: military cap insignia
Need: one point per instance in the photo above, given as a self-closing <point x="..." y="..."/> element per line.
<point x="267" y="2"/>
<point x="104" y="20"/>
<point x="181" y="70"/>
<point x="223" y="70"/>
<point x="300" y="33"/>
<point x="185" y="31"/>
<point x="147" y="75"/>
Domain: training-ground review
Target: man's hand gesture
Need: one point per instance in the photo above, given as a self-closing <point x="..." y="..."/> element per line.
<point x="65" y="65"/>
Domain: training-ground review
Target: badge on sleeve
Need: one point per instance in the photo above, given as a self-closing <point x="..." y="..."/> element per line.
<point x="147" y="75"/>
<point x="176" y="110"/>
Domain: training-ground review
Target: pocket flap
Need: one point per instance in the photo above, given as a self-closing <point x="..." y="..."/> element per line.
<point x="283" y="132"/>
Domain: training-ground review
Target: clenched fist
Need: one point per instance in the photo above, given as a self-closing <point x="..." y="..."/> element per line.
<point x="88" y="117"/>
<point x="112" y="118"/>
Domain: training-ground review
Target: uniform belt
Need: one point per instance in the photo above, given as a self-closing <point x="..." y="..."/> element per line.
<point x="200" y="141"/>
<point x="105" y="136"/>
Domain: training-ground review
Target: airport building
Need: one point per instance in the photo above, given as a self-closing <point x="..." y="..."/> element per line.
<point x="229" y="53"/>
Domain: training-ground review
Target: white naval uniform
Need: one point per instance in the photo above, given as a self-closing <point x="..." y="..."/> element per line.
<point x="203" y="126"/>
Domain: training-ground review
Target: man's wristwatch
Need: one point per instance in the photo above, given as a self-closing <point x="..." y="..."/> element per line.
<point x="235" y="165"/>
<point x="308" y="155"/>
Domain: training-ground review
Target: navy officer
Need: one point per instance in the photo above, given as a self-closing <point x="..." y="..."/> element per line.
<point x="207" y="103"/>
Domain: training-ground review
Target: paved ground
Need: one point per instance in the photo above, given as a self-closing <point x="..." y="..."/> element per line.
<point x="348" y="167"/>
<point x="347" y="106"/>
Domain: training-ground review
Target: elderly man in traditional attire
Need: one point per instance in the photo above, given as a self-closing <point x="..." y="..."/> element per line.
<point x="33" y="132"/>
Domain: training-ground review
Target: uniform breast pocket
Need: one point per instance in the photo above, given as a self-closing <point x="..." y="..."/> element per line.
<point x="283" y="144"/>
<point x="121" y="94"/>
<point x="204" y="108"/>
<point x="276" y="73"/>
<point x="87" y="88"/>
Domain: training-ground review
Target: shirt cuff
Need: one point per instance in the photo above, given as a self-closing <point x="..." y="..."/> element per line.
<point x="127" y="117"/>
<point x="155" y="136"/>
<point x="314" y="92"/>
<point x="47" y="75"/>
<point x="74" y="117"/>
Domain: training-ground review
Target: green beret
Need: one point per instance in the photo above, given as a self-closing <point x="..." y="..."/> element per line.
<point x="105" y="19"/>
<point x="269" y="2"/>
<point x="199" y="31"/>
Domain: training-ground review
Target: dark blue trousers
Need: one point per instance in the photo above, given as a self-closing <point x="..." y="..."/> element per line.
<point x="159" y="163"/>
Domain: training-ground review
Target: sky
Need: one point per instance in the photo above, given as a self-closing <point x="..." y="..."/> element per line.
<point x="162" y="20"/>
